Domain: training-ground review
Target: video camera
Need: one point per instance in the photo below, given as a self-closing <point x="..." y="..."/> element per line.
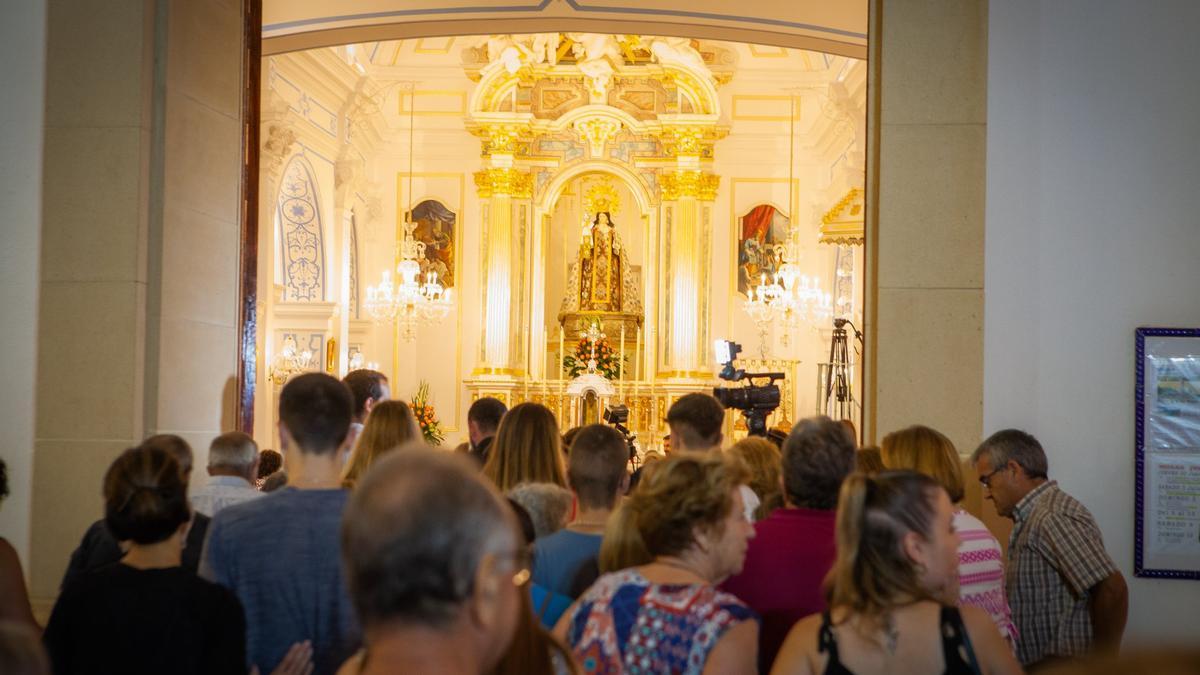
<point x="756" y="401"/>
<point x="618" y="416"/>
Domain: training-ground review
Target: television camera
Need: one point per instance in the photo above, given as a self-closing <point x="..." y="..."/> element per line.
<point x="618" y="416"/>
<point x="756" y="401"/>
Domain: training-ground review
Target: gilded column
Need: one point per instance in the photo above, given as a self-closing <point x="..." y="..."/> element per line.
<point x="687" y="195"/>
<point x="506" y="194"/>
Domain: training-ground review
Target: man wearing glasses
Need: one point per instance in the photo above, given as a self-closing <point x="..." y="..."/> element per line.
<point x="1067" y="596"/>
<point x="435" y="566"/>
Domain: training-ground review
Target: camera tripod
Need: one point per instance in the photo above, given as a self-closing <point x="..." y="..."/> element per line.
<point x="838" y="399"/>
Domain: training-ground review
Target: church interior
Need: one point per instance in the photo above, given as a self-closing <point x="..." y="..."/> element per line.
<point x="665" y="192"/>
<point x="955" y="213"/>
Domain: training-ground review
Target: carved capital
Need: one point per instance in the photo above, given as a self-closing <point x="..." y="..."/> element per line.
<point x="698" y="184"/>
<point x="278" y="137"/>
<point x="501" y="139"/>
<point x="512" y="182"/>
<point x="691" y="140"/>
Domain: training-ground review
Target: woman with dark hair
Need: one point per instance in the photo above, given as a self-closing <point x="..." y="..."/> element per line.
<point x="145" y="614"/>
<point x="893" y="589"/>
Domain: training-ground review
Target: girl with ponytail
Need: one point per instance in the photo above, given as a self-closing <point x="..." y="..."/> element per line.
<point x="892" y="590"/>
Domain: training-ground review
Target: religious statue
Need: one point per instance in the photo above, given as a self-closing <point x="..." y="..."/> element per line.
<point x="600" y="281"/>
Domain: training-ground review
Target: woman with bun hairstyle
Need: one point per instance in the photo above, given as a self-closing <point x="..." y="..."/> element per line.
<point x="146" y="614"/>
<point x="893" y="589"/>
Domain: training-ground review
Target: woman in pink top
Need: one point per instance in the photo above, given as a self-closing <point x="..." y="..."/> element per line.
<point x="980" y="561"/>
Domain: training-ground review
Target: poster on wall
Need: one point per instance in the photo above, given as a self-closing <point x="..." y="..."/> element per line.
<point x="1167" y="538"/>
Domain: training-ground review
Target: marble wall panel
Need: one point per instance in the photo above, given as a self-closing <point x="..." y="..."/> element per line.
<point x="90" y="348"/>
<point x="932" y="205"/>
<point x="103" y="76"/>
<point x="202" y="162"/>
<point x="94" y="204"/>
<point x="934" y="61"/>
<point x="930" y="355"/>
<point x="200" y="267"/>
<point x="67" y="498"/>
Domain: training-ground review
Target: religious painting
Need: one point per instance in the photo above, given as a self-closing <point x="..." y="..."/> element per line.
<point x="435" y="229"/>
<point x="760" y="230"/>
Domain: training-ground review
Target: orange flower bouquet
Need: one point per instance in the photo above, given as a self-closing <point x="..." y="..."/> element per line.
<point x="431" y="428"/>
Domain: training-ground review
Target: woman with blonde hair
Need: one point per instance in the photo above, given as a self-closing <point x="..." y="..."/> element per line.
<point x="527" y="449"/>
<point x="390" y="425"/>
<point x="685" y="531"/>
<point x="892" y="590"/>
<point x="765" y="462"/>
<point x="980" y="560"/>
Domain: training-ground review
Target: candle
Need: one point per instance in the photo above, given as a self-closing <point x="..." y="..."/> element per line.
<point x="621" y="363"/>
<point x="637" y="372"/>
<point x="561" y="354"/>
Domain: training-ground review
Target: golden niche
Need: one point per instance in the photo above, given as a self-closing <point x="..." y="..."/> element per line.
<point x="601" y="284"/>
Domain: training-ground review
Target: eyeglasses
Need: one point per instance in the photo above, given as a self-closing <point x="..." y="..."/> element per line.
<point x="987" y="480"/>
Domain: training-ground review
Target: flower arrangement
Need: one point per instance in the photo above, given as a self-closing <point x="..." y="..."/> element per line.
<point x="431" y="428"/>
<point x="608" y="363"/>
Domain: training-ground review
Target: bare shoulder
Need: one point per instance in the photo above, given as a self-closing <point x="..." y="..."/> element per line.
<point x="736" y="651"/>
<point x="797" y="655"/>
<point x="991" y="650"/>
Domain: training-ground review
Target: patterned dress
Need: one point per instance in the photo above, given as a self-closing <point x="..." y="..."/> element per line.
<point x="626" y="624"/>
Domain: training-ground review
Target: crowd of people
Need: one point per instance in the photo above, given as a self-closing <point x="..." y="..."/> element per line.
<point x="535" y="552"/>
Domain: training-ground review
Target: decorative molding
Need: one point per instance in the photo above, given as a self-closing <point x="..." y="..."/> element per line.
<point x="598" y="131"/>
<point x="844" y="223"/>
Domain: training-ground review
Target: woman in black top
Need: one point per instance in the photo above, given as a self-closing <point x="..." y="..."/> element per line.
<point x="145" y="614"/>
<point x="892" y="590"/>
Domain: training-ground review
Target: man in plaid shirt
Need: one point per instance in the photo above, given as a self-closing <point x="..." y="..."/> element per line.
<point x="1066" y="594"/>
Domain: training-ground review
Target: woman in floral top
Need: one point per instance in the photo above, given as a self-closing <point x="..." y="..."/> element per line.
<point x="681" y="532"/>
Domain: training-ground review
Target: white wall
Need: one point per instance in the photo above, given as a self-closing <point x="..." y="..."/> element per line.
<point x="23" y="49"/>
<point x="1093" y="160"/>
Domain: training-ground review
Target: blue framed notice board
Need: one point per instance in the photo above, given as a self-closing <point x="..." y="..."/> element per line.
<point x="1167" y="534"/>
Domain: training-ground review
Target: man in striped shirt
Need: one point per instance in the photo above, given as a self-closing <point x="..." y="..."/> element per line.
<point x="1066" y="594"/>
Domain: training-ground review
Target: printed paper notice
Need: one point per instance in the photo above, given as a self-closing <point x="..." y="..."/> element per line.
<point x="1173" y="507"/>
<point x="1173" y="403"/>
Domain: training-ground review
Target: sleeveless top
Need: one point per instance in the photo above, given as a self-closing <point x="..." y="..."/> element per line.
<point x="956" y="645"/>
<point x="626" y="624"/>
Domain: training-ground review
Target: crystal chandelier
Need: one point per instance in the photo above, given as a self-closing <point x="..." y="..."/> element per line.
<point x="788" y="295"/>
<point x="290" y="362"/>
<point x="409" y="301"/>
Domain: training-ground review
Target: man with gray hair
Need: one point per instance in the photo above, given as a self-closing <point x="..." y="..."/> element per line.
<point x="1067" y="596"/>
<point x="232" y="470"/>
<point x="434" y="565"/>
<point x="796" y="542"/>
